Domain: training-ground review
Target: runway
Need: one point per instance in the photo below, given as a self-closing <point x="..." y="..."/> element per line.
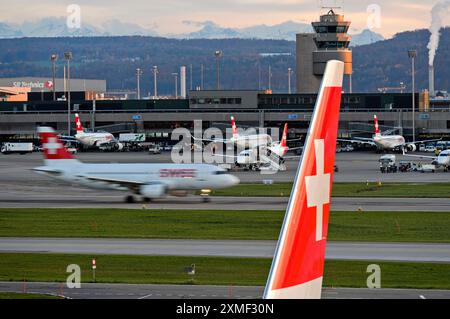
<point x="82" y="198"/>
<point x="125" y="291"/>
<point x="353" y="167"/>
<point x="224" y="248"/>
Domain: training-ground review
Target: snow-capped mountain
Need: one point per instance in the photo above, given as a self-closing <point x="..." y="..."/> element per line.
<point x="57" y="27"/>
<point x="8" y="31"/>
<point x="365" y="37"/>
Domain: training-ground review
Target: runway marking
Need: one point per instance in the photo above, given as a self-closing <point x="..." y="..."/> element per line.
<point x="422" y="297"/>
<point x="146" y="296"/>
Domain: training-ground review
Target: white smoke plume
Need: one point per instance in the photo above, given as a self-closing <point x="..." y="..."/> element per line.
<point x="440" y="15"/>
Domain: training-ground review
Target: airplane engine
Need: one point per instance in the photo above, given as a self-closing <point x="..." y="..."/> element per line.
<point x="153" y="191"/>
<point x="411" y="147"/>
<point x="119" y="146"/>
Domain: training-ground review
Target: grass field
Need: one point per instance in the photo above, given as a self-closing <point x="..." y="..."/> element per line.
<point x="210" y="271"/>
<point x="13" y="295"/>
<point x="188" y="224"/>
<point x="405" y="190"/>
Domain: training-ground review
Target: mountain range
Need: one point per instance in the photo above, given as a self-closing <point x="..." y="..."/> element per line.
<point x="244" y="65"/>
<point x="56" y="27"/>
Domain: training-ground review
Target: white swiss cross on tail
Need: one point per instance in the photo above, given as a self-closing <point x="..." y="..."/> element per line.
<point x="318" y="188"/>
<point x="297" y="268"/>
<point x="54" y="150"/>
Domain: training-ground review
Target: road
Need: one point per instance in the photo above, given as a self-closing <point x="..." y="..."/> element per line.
<point x="224" y="248"/>
<point x="126" y="291"/>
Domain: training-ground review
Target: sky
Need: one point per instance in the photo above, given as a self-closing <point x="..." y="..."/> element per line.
<point x="170" y="16"/>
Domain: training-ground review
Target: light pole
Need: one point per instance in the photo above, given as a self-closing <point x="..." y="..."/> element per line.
<point x="54" y="58"/>
<point x="155" y="81"/>
<point x="412" y="55"/>
<point x="218" y="54"/>
<point x="289" y="80"/>
<point x="138" y="79"/>
<point x="68" y="56"/>
<point x="202" y="76"/>
<point x="175" y="75"/>
<point x="270" y="77"/>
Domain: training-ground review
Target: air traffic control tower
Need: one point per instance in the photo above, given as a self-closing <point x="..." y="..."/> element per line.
<point x="329" y="42"/>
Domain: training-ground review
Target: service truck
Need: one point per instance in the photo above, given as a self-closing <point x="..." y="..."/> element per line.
<point x="21" y="148"/>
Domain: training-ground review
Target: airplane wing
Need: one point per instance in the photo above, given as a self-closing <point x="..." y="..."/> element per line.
<point x="216" y="140"/>
<point x="47" y="170"/>
<point x="223" y="155"/>
<point x="425" y="141"/>
<point x="421" y="156"/>
<point x="130" y="184"/>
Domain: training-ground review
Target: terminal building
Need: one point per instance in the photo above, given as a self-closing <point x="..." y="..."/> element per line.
<point x="19" y="117"/>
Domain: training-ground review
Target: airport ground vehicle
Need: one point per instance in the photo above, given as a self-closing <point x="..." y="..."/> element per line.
<point x="21" y="148"/>
<point x="407" y="166"/>
<point x="430" y="148"/>
<point x="426" y="168"/>
<point x="387" y="164"/>
<point x="132" y="138"/>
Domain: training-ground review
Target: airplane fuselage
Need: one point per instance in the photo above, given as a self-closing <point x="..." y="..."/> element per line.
<point x="94" y="139"/>
<point x="173" y="176"/>
<point x="389" y="142"/>
<point x="251" y="141"/>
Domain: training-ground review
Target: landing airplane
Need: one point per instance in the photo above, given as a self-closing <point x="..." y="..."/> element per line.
<point x="95" y="139"/>
<point x="297" y="268"/>
<point x="387" y="142"/>
<point x="241" y="141"/>
<point x="149" y="181"/>
<point x="442" y="160"/>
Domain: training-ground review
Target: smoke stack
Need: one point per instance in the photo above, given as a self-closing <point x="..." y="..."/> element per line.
<point x="431" y="81"/>
<point x="183" y="82"/>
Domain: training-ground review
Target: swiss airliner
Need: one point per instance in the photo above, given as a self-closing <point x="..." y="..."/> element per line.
<point x="147" y="181"/>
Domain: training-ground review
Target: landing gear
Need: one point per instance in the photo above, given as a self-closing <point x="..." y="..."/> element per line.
<point x="130" y="199"/>
<point x="206" y="199"/>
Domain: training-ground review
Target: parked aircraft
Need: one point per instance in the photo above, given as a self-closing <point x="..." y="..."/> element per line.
<point x="387" y="142"/>
<point x="240" y="140"/>
<point x="99" y="139"/>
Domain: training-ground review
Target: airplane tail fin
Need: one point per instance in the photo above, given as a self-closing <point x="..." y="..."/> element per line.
<point x="234" y="128"/>
<point x="283" y="142"/>
<point x="377" y="127"/>
<point x="78" y="124"/>
<point x="297" y="268"/>
<point x="54" y="151"/>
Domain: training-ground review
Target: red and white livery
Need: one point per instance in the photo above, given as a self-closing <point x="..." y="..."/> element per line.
<point x="297" y="269"/>
<point x="99" y="139"/>
<point x="149" y="181"/>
